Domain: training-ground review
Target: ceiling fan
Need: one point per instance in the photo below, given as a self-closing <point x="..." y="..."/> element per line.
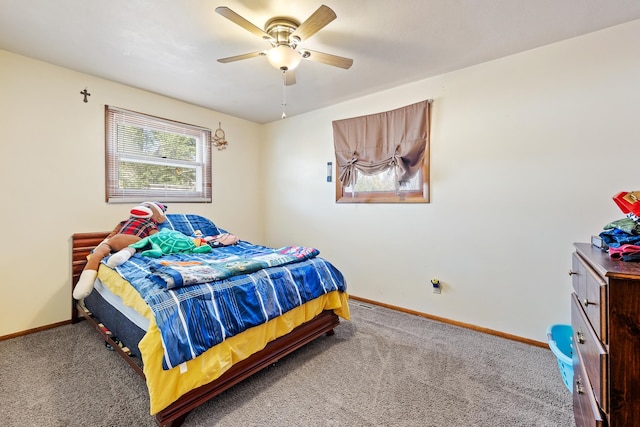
<point x="285" y="35"/>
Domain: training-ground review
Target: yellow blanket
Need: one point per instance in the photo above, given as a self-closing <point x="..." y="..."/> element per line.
<point x="166" y="386"/>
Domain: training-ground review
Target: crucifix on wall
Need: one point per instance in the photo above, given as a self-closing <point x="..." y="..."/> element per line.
<point x="85" y="93"/>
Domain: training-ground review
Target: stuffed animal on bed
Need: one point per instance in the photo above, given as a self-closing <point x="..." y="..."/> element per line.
<point x="143" y="221"/>
<point x="165" y="242"/>
<point x="224" y="239"/>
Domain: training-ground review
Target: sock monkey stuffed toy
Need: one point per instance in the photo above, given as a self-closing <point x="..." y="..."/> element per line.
<point x="143" y="222"/>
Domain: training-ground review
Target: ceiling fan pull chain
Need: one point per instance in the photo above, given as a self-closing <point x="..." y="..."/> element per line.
<point x="284" y="93"/>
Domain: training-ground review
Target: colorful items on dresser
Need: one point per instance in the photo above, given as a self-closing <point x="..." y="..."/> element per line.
<point x="623" y="236"/>
<point x="626" y="252"/>
<point x="629" y="203"/>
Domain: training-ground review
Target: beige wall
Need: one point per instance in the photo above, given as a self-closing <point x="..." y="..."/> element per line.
<point x="52" y="170"/>
<point x="527" y="152"/>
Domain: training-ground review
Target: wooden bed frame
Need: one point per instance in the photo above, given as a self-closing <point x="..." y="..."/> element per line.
<point x="175" y="414"/>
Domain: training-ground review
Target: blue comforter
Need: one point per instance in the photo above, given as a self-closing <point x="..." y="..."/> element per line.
<point x="193" y="318"/>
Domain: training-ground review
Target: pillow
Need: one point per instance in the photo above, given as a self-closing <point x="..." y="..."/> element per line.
<point x="189" y="223"/>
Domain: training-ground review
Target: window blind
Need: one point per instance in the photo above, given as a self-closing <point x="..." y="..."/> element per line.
<point x="152" y="158"/>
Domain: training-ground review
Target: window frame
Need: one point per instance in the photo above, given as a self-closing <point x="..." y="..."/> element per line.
<point x="202" y="164"/>
<point x="412" y="196"/>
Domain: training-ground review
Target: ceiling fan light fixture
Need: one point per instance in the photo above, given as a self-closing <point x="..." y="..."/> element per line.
<point x="283" y="57"/>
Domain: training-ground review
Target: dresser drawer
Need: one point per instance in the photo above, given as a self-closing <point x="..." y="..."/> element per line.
<point x="589" y="354"/>
<point x="591" y="290"/>
<point x="585" y="408"/>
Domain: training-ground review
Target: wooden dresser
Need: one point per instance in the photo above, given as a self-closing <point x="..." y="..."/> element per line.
<point x="605" y="316"/>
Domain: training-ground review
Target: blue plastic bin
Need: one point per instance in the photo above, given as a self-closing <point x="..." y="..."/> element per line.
<point x="561" y="344"/>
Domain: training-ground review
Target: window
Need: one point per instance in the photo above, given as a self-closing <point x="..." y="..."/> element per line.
<point x="149" y="158"/>
<point x="384" y="157"/>
<point x="383" y="187"/>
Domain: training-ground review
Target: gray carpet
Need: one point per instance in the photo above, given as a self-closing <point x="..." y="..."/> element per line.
<point x="383" y="368"/>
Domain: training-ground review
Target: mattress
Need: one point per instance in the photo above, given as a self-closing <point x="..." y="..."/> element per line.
<point x="126" y="324"/>
<point x="117" y="303"/>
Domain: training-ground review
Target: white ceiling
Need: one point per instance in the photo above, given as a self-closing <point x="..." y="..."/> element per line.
<point x="170" y="47"/>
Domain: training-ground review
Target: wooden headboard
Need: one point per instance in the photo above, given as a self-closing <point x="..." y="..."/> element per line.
<point x="81" y="246"/>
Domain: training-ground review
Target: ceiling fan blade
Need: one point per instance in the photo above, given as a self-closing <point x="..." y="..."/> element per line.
<point x="239" y="20"/>
<point x="243" y="56"/>
<point x="314" y="23"/>
<point x="289" y="78"/>
<point x="326" y="58"/>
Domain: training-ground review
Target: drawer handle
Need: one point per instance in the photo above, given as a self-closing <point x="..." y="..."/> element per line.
<point x="579" y="388"/>
<point x="580" y="337"/>
<point x="586" y="302"/>
<point x="571" y="272"/>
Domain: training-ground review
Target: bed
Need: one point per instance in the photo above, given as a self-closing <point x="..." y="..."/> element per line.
<point x="192" y="338"/>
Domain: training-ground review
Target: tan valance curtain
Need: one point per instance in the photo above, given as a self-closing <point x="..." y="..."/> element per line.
<point x="371" y="144"/>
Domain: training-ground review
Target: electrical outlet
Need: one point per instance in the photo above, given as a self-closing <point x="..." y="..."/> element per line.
<point x="436" y="286"/>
